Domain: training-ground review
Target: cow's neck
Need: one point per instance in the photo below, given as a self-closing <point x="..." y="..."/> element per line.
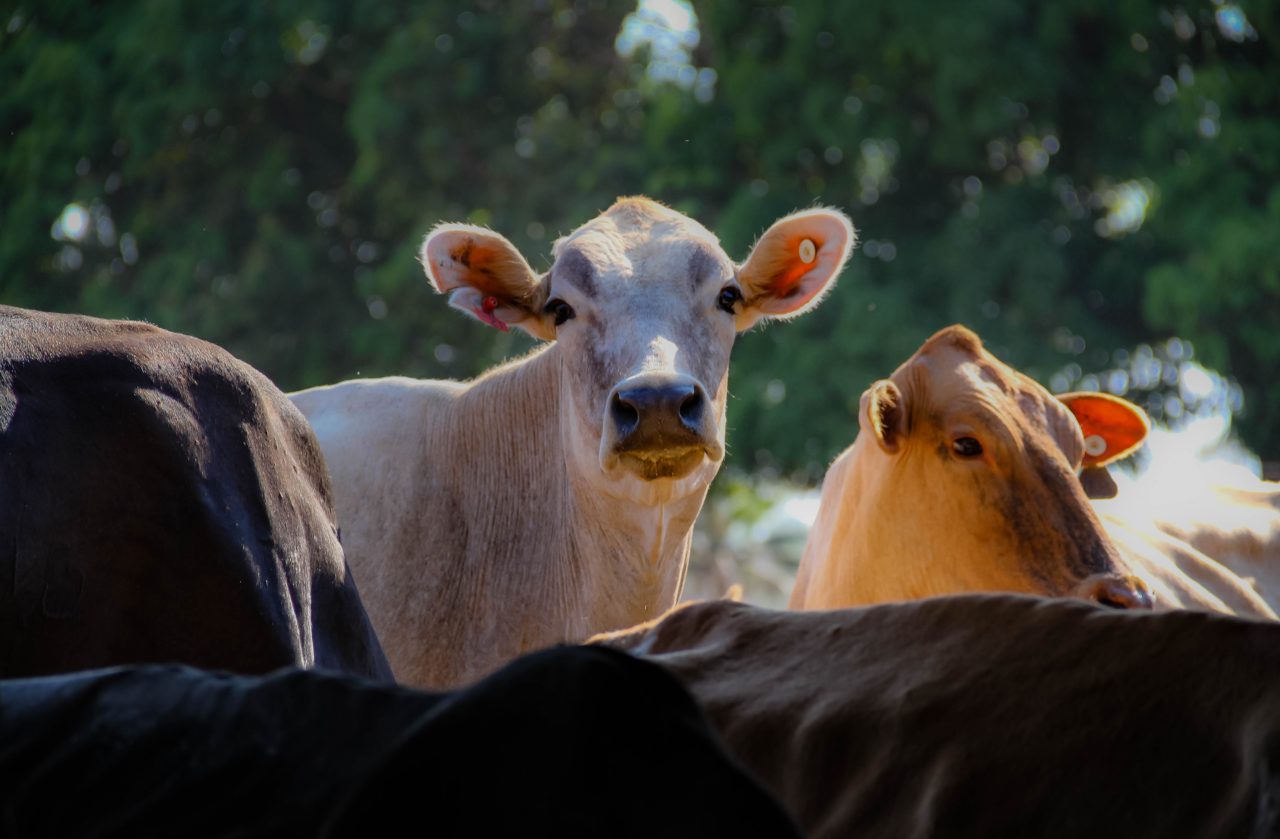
<point x="849" y="536"/>
<point x="612" y="562"/>
<point x="634" y="556"/>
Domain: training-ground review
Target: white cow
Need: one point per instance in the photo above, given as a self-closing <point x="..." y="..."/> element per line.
<point x="554" y="496"/>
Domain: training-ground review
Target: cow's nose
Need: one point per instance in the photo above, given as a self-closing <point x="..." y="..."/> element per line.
<point x="658" y="411"/>
<point x="1116" y="591"/>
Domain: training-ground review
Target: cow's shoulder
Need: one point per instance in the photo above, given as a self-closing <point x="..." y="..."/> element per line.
<point x="134" y="381"/>
<point x="139" y="467"/>
<point x="376" y="395"/>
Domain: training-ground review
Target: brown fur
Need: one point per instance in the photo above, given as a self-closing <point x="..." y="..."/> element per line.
<point x="917" y="520"/>
<point x="986" y="715"/>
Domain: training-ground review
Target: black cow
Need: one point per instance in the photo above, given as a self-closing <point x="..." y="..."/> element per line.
<point x="162" y="501"/>
<point x="564" y="743"/>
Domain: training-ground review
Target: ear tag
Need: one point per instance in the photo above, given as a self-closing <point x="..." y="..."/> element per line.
<point x="485" y="313"/>
<point x="808" y="251"/>
<point x="1095" y="446"/>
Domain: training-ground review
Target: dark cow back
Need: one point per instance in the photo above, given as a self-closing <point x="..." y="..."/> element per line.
<point x="161" y="501"/>
<point x="991" y="715"/>
<point x="569" y="742"/>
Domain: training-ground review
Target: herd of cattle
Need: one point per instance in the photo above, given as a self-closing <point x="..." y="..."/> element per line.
<point x="161" y="501"/>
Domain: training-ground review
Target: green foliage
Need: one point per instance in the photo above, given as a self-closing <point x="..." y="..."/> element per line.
<point x="261" y="175"/>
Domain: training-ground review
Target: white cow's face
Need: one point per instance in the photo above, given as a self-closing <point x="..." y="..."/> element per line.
<point x="644" y="306"/>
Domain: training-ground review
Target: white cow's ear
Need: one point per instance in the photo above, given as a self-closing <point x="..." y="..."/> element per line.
<point x="793" y="264"/>
<point x="1113" y="428"/>
<point x="486" y="277"/>
<point x="882" y="413"/>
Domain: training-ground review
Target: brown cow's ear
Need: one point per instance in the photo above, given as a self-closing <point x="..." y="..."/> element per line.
<point x="486" y="277"/>
<point x="883" y="414"/>
<point x="1113" y="428"/>
<point x="1098" y="483"/>
<point x="793" y="264"/>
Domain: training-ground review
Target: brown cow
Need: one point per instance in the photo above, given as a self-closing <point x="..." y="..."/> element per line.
<point x="161" y="501"/>
<point x="991" y="715"/>
<point x="963" y="478"/>
<point x="554" y="496"/>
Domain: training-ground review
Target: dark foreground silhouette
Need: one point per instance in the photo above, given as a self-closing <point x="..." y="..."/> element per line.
<point x="162" y="501"/>
<point x="566" y="742"/>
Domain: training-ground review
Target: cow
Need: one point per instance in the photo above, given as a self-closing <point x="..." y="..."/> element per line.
<point x="161" y="501"/>
<point x="558" y="743"/>
<point x="553" y="497"/>
<point x="990" y="714"/>
<point x="963" y="478"/>
<point x="1223" y="518"/>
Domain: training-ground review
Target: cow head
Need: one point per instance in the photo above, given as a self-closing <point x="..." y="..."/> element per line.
<point x="969" y="479"/>
<point x="643" y="306"/>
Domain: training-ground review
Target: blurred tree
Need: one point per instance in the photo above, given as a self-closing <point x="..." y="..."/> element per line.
<point x="1068" y="178"/>
<point x="261" y="175"/>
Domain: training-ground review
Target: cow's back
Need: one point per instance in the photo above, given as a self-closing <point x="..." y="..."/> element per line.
<point x="985" y="715"/>
<point x="161" y="501"/>
<point x="379" y="446"/>
<point x="1238" y="525"/>
<point x="1179" y="575"/>
<point x="391" y="472"/>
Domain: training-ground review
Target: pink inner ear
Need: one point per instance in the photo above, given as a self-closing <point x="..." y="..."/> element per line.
<point x="456" y="258"/>
<point x="479" y="264"/>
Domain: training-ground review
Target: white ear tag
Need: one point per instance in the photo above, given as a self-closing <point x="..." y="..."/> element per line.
<point x="1094" y="445"/>
<point x="808" y="252"/>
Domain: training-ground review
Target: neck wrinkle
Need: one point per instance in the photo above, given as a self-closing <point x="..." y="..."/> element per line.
<point x="647" y="547"/>
<point x="610" y="561"/>
<point x="510" y="416"/>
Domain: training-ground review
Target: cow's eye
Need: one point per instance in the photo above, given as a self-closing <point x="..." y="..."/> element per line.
<point x="729" y="297"/>
<point x="562" y="310"/>
<point x="966" y="447"/>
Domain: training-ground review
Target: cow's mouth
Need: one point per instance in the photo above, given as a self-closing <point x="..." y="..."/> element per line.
<point x="652" y="464"/>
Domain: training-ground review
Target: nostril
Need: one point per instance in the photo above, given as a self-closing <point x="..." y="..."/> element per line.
<point x="656" y="413"/>
<point x="691" y="408"/>
<point x="624" y="414"/>
<point x="1107" y="599"/>
<point x="1142" y="598"/>
<point x="1120" y="593"/>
